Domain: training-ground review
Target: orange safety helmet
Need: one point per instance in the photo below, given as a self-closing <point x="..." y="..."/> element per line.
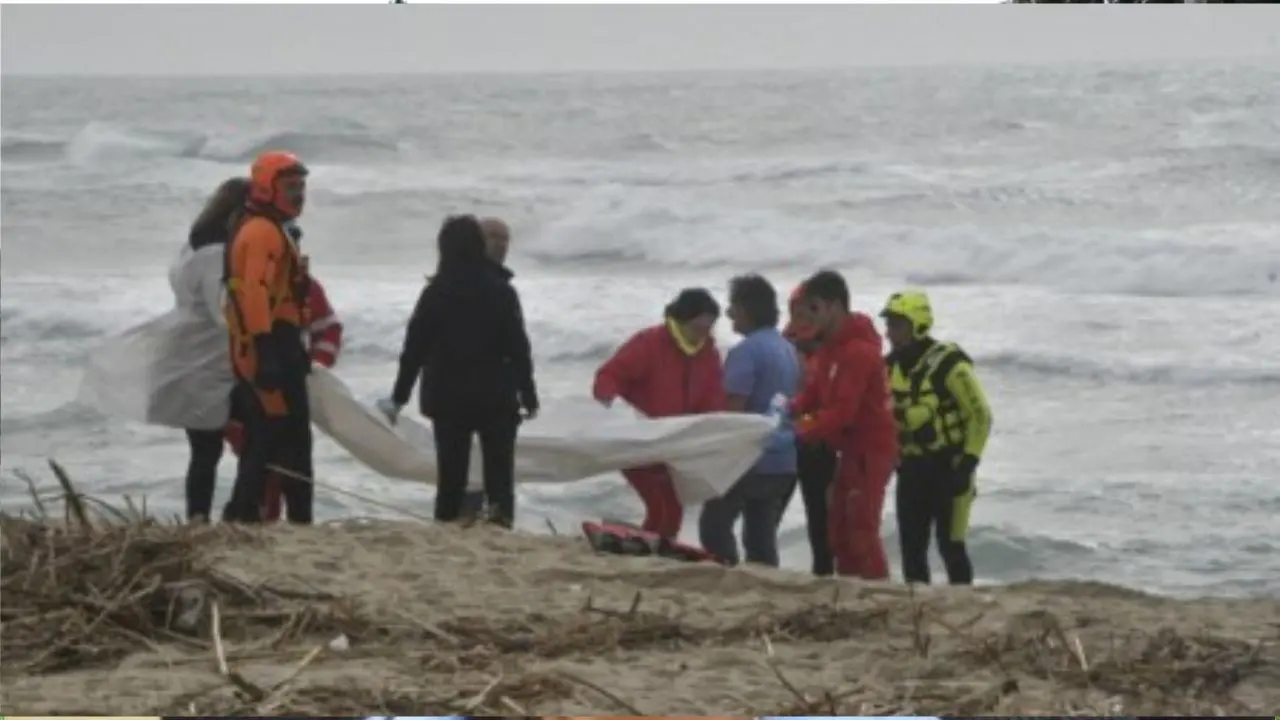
<point x="264" y="181"/>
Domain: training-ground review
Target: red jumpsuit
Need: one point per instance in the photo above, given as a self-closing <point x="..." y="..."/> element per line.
<point x="846" y="403"/>
<point x="651" y="372"/>
<point x="324" y="336"/>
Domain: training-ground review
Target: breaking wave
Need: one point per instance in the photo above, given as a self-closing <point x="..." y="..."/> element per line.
<point x="65" y="334"/>
<point x="18" y="148"/>
<point x="1163" y="373"/>
<point x="625" y="226"/>
<point x="100" y="142"/>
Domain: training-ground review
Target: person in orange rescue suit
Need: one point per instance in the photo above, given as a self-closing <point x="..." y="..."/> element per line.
<point x="845" y="403"/>
<point x="324" y="336"/>
<point x="267" y="287"/>
<point x="943" y="425"/>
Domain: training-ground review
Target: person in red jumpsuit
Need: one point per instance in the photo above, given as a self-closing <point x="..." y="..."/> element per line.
<point x="846" y="403"/>
<point x="324" y="341"/>
<point x="672" y="368"/>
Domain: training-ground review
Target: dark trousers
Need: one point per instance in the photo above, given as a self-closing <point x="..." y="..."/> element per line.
<point x="927" y="503"/>
<point x="816" y="467"/>
<point x="473" y="503"/>
<point x="453" y="435"/>
<point x="282" y="442"/>
<point x="758" y="498"/>
<point x="202" y="471"/>
<point x="202" y="467"/>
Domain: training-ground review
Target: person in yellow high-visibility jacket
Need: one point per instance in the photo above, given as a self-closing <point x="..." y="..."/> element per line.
<point x="944" y="421"/>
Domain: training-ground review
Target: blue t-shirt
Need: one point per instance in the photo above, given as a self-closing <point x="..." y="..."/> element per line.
<point x="761" y="367"/>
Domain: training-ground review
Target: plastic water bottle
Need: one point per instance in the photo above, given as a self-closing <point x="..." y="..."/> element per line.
<point x="778" y="410"/>
<point x="781" y="435"/>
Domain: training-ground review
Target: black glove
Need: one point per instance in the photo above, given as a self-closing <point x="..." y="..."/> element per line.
<point x="270" y="375"/>
<point x="962" y="474"/>
<point x="529" y="403"/>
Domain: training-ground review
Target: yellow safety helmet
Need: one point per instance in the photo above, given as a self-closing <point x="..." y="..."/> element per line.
<point x="912" y="305"/>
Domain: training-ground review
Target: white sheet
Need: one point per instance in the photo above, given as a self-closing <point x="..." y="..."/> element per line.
<point x="162" y="372"/>
<point x="707" y="453"/>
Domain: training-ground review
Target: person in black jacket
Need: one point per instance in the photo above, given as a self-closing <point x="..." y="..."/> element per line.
<point x="468" y="329"/>
<point x="497" y="241"/>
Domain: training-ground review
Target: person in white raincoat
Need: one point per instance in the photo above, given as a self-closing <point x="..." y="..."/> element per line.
<point x="175" y="370"/>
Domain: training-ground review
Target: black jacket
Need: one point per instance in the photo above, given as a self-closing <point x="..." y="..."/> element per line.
<point x="467" y="342"/>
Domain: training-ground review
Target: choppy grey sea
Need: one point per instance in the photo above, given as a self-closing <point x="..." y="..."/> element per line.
<point x="1104" y="240"/>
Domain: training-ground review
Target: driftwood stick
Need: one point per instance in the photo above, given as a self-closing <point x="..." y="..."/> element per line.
<point x="362" y="498"/>
<point x="631" y="709"/>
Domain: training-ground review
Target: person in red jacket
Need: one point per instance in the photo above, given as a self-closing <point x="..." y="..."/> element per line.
<point x="672" y="368"/>
<point x="324" y="341"/>
<point x="815" y="461"/>
<point x="846" y="403"/>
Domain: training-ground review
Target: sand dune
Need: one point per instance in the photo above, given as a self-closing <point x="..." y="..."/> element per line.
<point x="395" y="618"/>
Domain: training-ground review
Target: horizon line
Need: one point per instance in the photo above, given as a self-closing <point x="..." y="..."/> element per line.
<point x="903" y="65"/>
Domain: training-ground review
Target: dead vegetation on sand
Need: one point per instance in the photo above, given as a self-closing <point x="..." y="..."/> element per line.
<point x="105" y="585"/>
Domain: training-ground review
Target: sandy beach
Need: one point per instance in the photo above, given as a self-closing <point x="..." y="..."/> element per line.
<point x="377" y="617"/>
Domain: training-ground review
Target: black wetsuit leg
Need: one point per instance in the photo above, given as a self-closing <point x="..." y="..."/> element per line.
<point x="951" y="546"/>
<point x="816" y="465"/>
<point x="926" y="503"/>
<point x="245" y="504"/>
<point x="294" y="453"/>
<point x="915" y="508"/>
<point x="278" y="440"/>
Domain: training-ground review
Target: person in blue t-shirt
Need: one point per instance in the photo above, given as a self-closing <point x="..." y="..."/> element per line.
<point x="761" y="374"/>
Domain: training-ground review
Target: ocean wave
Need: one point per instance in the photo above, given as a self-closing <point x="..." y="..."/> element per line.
<point x="19" y="326"/>
<point x="551" y="345"/>
<point x="1135" y="373"/>
<point x="68" y="414"/>
<point x="642" y="142"/>
<point x="1011" y="554"/>
<point x="312" y="146"/>
<point x="375" y="337"/>
<point x="1006" y="554"/>
<point x="677" y="176"/>
<point x="27" y="148"/>
<point x="629" y="226"/>
<point x="99" y="142"/>
<point x="617" y="224"/>
<point x="596" y="352"/>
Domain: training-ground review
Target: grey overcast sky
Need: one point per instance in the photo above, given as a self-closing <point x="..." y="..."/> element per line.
<point x="383" y="38"/>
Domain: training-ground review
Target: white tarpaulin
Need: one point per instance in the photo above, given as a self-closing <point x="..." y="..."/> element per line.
<point x="707" y="453"/>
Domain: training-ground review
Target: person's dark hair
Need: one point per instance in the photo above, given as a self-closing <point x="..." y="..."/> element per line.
<point x="691" y="303"/>
<point x="460" y="244"/>
<point x="757" y="299"/>
<point x="827" y="285"/>
<point x="221" y="211"/>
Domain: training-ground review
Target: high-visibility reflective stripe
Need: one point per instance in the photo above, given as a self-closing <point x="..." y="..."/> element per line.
<point x="325" y="346"/>
<point x="324" y="323"/>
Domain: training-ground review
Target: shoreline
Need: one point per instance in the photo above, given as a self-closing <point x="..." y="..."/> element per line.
<point x="397" y="617"/>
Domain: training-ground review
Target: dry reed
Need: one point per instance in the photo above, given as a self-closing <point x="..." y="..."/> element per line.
<point x="104" y="584"/>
